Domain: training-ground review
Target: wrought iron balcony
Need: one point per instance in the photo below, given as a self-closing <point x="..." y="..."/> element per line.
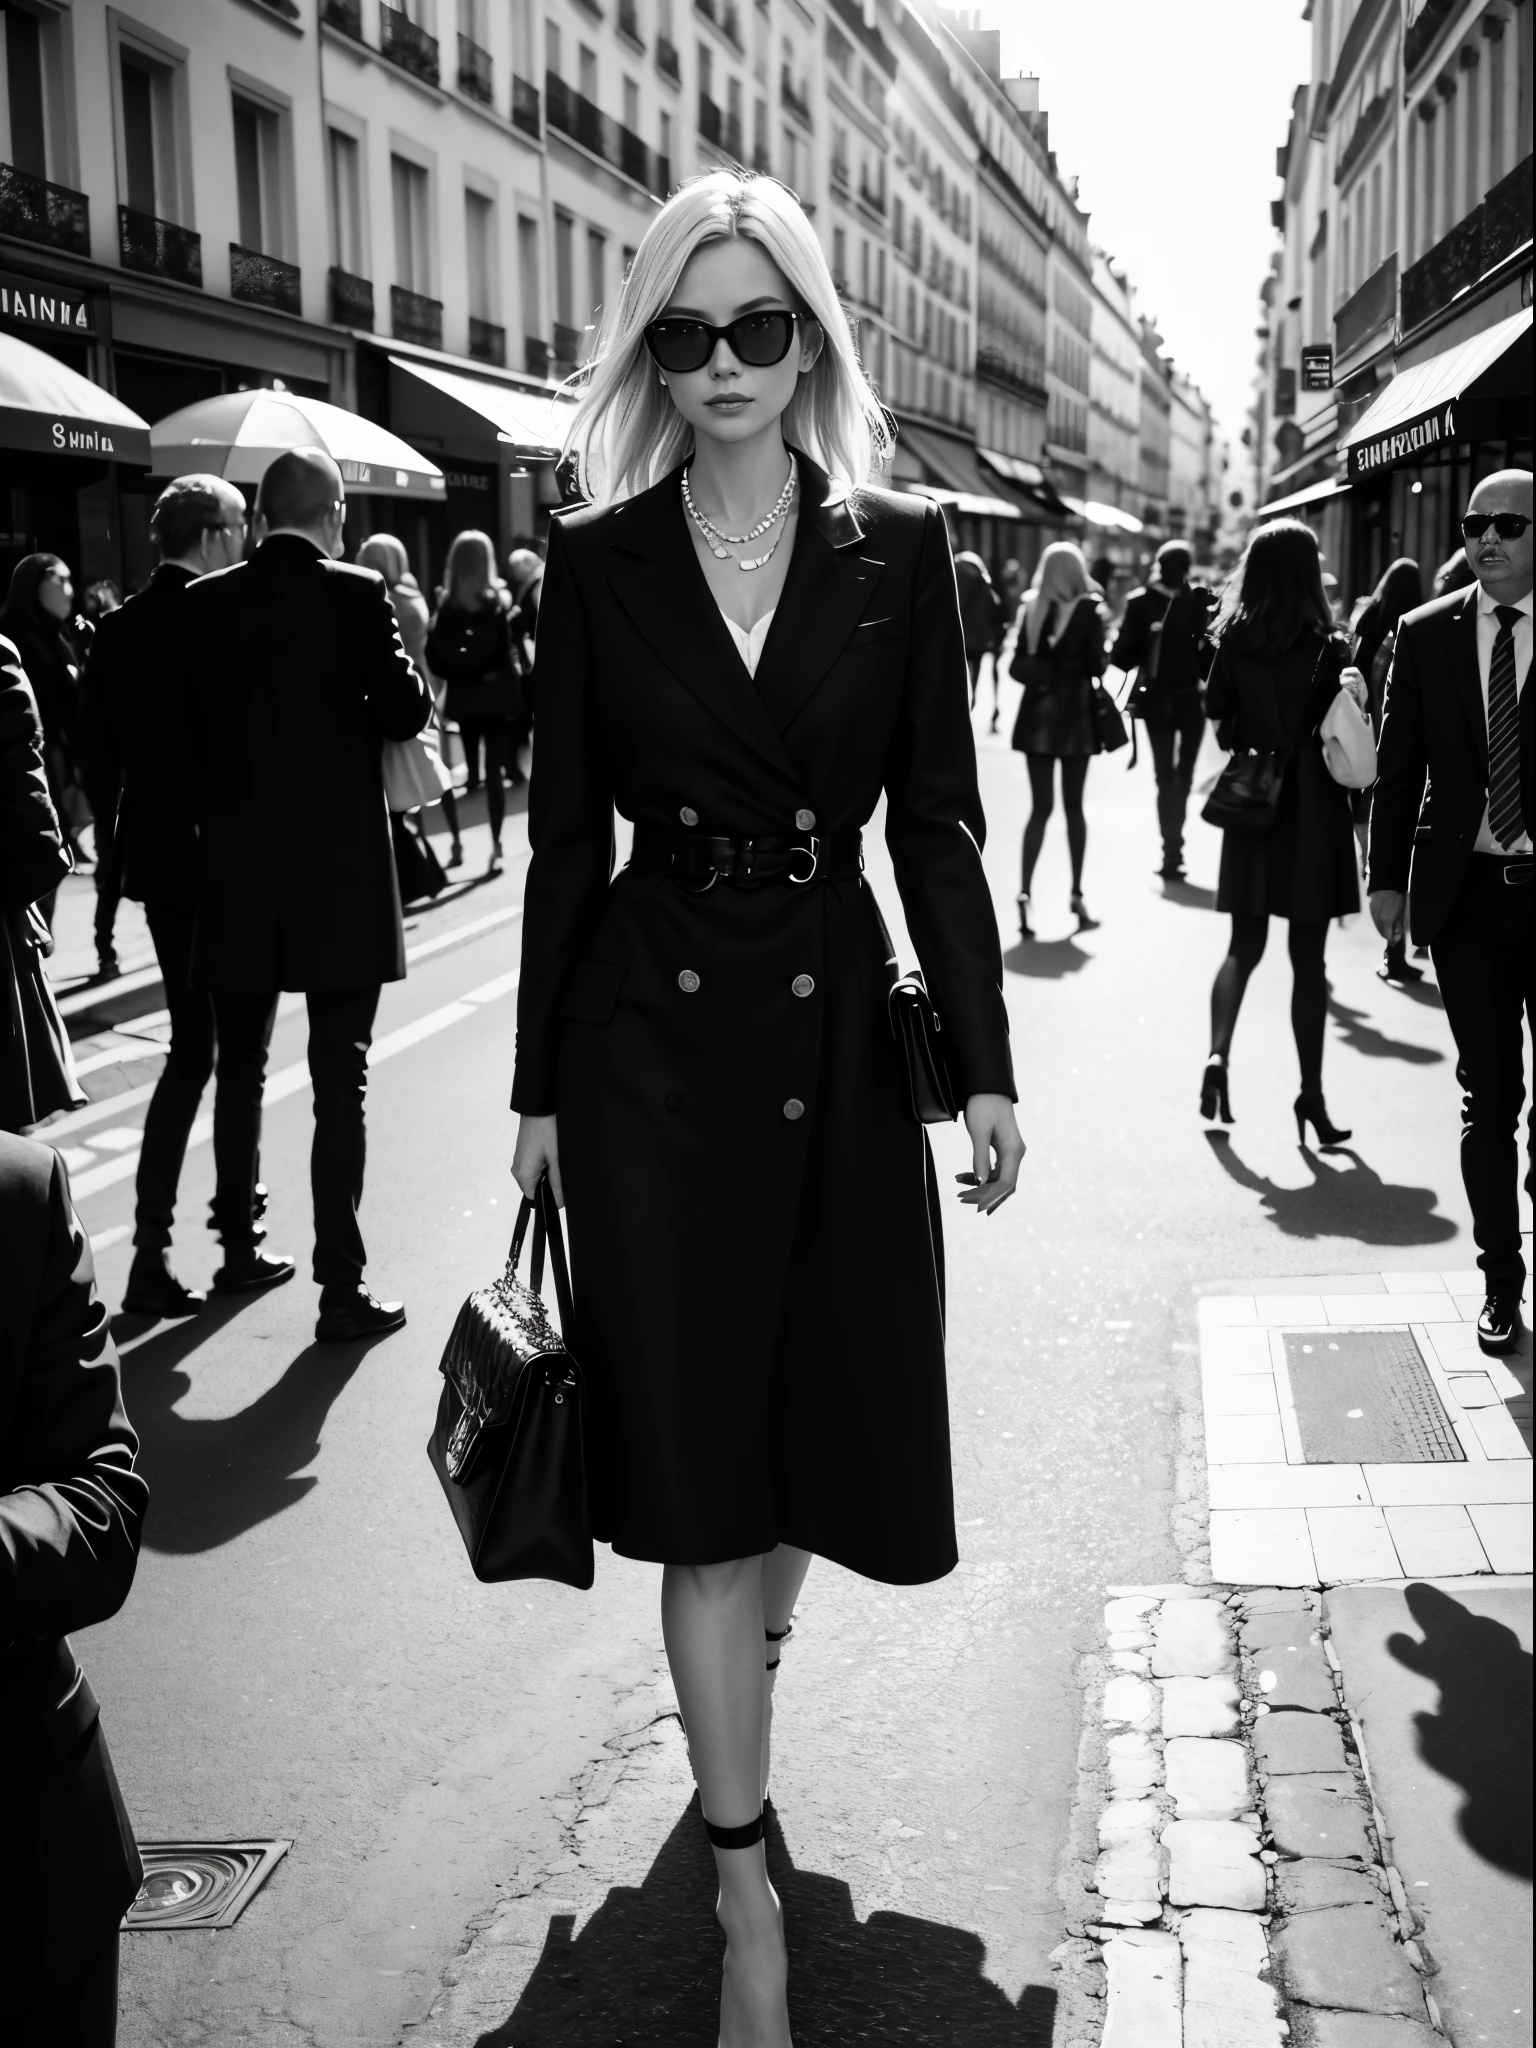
<point x="667" y="60"/>
<point x="414" y="317"/>
<point x="1364" y="312"/>
<point x="487" y="342"/>
<point x="1478" y="244"/>
<point x="535" y="356"/>
<point x="263" y="280"/>
<point x="525" y="107"/>
<point x="475" y="71"/>
<point x="575" y="116"/>
<point x="36" y="211"/>
<point x="159" y="248"/>
<point x="351" y="300"/>
<point x="403" y="43"/>
<point x="347" y="15"/>
<point x="875" y="201"/>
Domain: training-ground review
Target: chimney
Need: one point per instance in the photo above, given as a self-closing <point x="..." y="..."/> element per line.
<point x="1024" y="93"/>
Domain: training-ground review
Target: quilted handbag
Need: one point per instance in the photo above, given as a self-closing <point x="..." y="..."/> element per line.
<point x="508" y="1444"/>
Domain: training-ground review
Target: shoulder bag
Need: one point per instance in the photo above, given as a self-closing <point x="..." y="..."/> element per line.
<point x="414" y="775"/>
<point x="1108" y="725"/>
<point x="508" y="1446"/>
<point x="1246" y="797"/>
<point x="1349" y="749"/>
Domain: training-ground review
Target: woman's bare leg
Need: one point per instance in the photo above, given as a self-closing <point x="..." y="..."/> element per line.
<point x="784" y="1570"/>
<point x="712" y="1620"/>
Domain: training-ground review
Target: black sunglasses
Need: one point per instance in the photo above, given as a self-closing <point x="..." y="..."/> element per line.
<point x="1507" y="525"/>
<point x="757" y="339"/>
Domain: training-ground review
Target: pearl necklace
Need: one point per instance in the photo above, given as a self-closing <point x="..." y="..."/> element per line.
<point x="720" y="544"/>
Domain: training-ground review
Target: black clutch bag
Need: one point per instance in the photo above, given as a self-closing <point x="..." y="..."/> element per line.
<point x="508" y="1444"/>
<point x="915" y="1023"/>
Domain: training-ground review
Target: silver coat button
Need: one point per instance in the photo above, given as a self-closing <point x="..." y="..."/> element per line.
<point x="804" y="820"/>
<point x="794" y="1108"/>
<point x="803" y="984"/>
<point x="688" y="982"/>
<point x="689" y="815"/>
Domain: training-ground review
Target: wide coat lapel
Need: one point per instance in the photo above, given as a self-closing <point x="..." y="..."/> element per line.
<point x="828" y="585"/>
<point x="657" y="581"/>
<point x="1462" y="626"/>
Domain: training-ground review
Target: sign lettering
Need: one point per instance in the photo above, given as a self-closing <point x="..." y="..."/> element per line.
<point x="1396" y="445"/>
<point x="1317" y="367"/>
<point x="27" y="302"/>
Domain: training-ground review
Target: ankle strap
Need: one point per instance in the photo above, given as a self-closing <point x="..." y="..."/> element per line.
<point x="777" y="1635"/>
<point x="735" y="1838"/>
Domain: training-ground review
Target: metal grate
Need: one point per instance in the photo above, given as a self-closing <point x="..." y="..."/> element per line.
<point x="1365" y="1397"/>
<point x="199" y="1884"/>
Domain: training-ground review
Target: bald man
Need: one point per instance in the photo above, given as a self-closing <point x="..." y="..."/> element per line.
<point x="1450" y="847"/>
<point x="294" y="676"/>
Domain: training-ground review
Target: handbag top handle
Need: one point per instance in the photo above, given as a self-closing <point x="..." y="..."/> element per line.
<point x="546" y="1230"/>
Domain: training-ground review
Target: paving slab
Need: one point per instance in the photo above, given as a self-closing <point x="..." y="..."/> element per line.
<point x="1345" y="1958"/>
<point x="1313" y="1885"/>
<point x="1362" y="2030"/>
<point x="1294" y="1675"/>
<point x="1286" y="1743"/>
<point x="1199" y="1706"/>
<point x="1145" y="1991"/>
<point x="1320" y="1814"/>
<point x="1439" y="1675"/>
<point x="1214" y="1863"/>
<point x="1207" y="1779"/>
<point x="1193" y="1639"/>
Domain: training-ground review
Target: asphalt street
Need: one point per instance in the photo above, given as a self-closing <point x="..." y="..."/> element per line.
<point x="485" y="1786"/>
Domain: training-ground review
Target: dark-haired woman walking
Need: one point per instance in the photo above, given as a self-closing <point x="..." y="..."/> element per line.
<point x="1400" y="590"/>
<point x="1278" y="667"/>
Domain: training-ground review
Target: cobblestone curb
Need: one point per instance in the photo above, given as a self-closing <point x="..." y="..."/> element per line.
<point x="1241" y="1895"/>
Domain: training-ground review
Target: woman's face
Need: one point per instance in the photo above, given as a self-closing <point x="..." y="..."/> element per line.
<point x="728" y="400"/>
<point x="56" y="593"/>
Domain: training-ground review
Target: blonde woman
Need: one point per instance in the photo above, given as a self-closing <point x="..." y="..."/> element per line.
<point x="386" y="553"/>
<point x="1058" y="656"/>
<point x="740" y="645"/>
<point x="470" y="647"/>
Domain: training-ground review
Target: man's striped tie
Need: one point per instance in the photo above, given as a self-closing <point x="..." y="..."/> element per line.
<point x="1504" y="816"/>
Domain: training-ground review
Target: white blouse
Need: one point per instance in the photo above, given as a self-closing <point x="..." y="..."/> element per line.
<point x="749" y="645"/>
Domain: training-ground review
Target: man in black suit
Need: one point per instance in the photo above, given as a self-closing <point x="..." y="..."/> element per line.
<point x="133" y="735"/>
<point x="1455" y="794"/>
<point x="71" y="1509"/>
<point x="1162" y="635"/>
<point x="293" y="676"/>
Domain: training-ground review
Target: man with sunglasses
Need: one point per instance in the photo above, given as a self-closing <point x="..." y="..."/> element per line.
<point x="134" y="739"/>
<point x="1454" y="799"/>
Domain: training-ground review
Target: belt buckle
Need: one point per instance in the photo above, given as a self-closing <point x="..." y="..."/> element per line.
<point x="741" y="871"/>
<point x="814" y="850"/>
<point x="687" y="879"/>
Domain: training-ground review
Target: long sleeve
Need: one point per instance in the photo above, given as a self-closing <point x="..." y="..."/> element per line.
<point x="1130" y="648"/>
<point x="570" y="828"/>
<point x="1401" y="765"/>
<point x="935" y="829"/>
<point x="32" y="856"/>
<point x="73" y="1507"/>
<point x="395" y="692"/>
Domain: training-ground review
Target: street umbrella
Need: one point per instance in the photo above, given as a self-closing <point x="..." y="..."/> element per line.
<point x="239" y="435"/>
<point x="48" y="409"/>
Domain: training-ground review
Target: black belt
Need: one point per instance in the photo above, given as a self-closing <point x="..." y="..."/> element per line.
<point x="1515" y="868"/>
<point x="698" y="860"/>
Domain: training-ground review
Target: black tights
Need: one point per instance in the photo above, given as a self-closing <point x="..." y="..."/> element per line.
<point x="495" y="733"/>
<point x="1042" y="778"/>
<point x="1309" y="989"/>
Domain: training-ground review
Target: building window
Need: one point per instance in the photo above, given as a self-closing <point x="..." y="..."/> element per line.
<point x="408" y="188"/>
<point x="528" y="290"/>
<point x="26" y="144"/>
<point x="346" y="202"/>
<point x="840" y="258"/>
<point x="552" y="55"/>
<point x="586" y="73"/>
<point x="631" y="106"/>
<point x="522" y="38"/>
<point x="597" y="270"/>
<point x="258" y="176"/>
<point x="666" y="137"/>
<point x="480" y="255"/>
<point x="565" y="270"/>
<point x="151" y="182"/>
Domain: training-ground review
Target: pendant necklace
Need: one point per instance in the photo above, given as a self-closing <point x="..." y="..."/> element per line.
<point x="720" y="544"/>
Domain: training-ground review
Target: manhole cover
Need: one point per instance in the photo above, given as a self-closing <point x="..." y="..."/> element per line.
<point x="1365" y="1397"/>
<point x="200" y="1884"/>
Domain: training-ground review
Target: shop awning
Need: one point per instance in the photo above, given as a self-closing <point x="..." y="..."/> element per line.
<point x="532" y="425"/>
<point x="1109" y="517"/>
<point x="46" y="408"/>
<point x="1425" y="406"/>
<point x="1314" y="494"/>
<point x="1026" y="477"/>
<point x="240" y="434"/>
<point x="979" y="504"/>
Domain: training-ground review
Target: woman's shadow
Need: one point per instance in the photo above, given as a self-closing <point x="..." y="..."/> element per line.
<point x="1046" y="959"/>
<point x="1357" y="1203"/>
<point x="212" y="1480"/>
<point x="645" y="1970"/>
<point x="1361" y="1035"/>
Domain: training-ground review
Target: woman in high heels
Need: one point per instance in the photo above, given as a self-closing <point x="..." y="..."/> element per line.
<point x="1279" y="664"/>
<point x="1058" y="657"/>
<point x="740" y="645"/>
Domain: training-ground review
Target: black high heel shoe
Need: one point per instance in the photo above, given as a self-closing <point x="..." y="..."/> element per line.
<point x="1026" y="929"/>
<point x="1213" y="1093"/>
<point x="1311" y="1109"/>
<point x="1085" y="923"/>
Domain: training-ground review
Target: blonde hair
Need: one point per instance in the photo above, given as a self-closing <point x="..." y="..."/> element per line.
<point x="1060" y="579"/>
<point x="470" y="576"/>
<point x="627" y="434"/>
<point x="386" y="553"/>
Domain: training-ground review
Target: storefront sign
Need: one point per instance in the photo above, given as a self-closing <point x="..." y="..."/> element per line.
<point x="468" y="480"/>
<point x="28" y="302"/>
<point x="1404" y="443"/>
<point x="1317" y="367"/>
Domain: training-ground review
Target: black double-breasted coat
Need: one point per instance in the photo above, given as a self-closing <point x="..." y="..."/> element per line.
<point x="756" y="1244"/>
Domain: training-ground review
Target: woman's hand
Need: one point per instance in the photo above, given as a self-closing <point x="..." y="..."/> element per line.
<point x="1353" y="680"/>
<point x="537" y="1150"/>
<point x="994" y="1134"/>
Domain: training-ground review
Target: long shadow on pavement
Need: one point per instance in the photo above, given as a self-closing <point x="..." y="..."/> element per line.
<point x="1481" y="1737"/>
<point x="1361" y="1035"/>
<point x="645" y="1970"/>
<point x="211" y="1480"/>
<point x="1189" y="895"/>
<point x="1046" y="959"/>
<point x="1355" y="1203"/>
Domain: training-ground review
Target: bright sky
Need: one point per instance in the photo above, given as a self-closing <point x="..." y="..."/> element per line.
<point x="1170" y="112"/>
